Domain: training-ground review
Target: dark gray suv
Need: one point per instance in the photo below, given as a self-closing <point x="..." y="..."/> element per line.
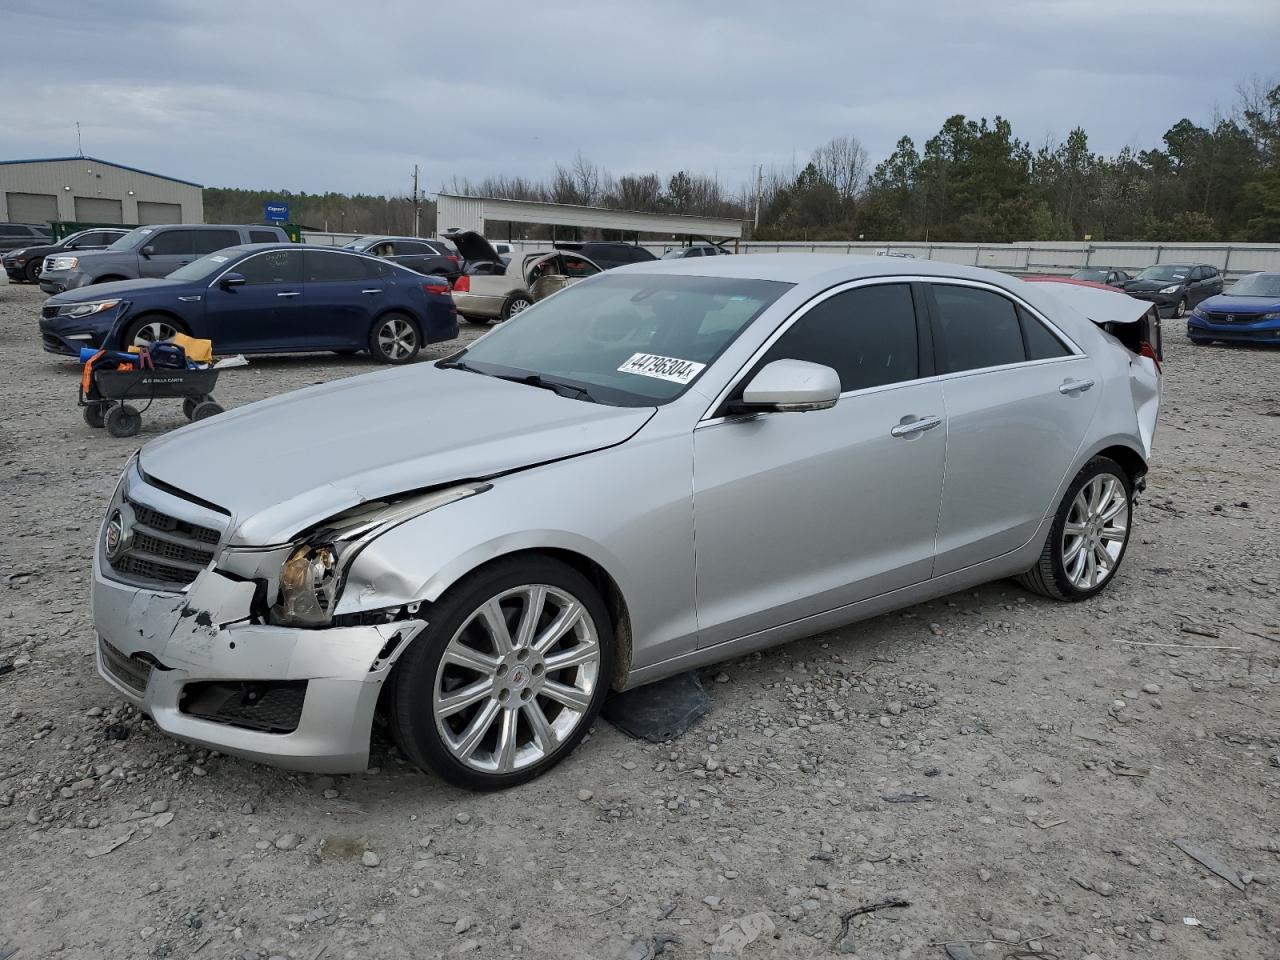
<point x="154" y="251"/>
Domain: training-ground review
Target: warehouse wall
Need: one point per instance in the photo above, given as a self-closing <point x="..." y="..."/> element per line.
<point x="92" y="186"/>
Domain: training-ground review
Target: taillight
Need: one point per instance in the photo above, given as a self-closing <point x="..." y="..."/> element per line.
<point x="451" y="258"/>
<point x="436" y="286"/>
<point x="1148" y="351"/>
<point x="462" y="284"/>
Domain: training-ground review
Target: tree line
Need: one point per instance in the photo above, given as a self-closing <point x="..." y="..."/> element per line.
<point x="972" y="181"/>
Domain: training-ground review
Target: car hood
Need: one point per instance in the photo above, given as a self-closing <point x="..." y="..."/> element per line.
<point x="284" y="464"/>
<point x="1225" y="303"/>
<point x="472" y="246"/>
<point x="102" y="291"/>
<point x="1149" y="286"/>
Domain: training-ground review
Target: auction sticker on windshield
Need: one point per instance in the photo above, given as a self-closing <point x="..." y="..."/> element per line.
<point x="662" y="368"/>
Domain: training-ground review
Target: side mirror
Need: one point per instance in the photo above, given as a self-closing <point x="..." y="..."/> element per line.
<point x="230" y="280"/>
<point x="790" y="386"/>
<point x="147" y="251"/>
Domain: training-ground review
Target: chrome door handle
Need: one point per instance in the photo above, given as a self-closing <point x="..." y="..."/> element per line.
<point x="374" y="290"/>
<point x="290" y="293"/>
<point x="1075" y="386"/>
<point x="914" y="427"/>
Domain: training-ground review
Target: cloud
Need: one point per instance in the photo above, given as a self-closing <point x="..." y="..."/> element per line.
<point x="319" y="95"/>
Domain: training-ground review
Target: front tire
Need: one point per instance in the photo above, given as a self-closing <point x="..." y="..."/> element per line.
<point x="122" y="420"/>
<point x="394" y="339"/>
<point x="33" y="271"/>
<point x="1089" y="536"/>
<point x="507" y="678"/>
<point x="1180" y="310"/>
<point x="149" y="329"/>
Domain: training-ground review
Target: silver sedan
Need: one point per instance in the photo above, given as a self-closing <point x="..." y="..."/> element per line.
<point x="661" y="467"/>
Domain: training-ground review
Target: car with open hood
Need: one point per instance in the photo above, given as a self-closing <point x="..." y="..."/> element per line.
<point x="1249" y="312"/>
<point x="492" y="287"/>
<point x="847" y="435"/>
<point x="1175" y="287"/>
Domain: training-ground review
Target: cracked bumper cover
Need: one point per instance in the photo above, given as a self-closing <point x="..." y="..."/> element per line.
<point x="205" y="635"/>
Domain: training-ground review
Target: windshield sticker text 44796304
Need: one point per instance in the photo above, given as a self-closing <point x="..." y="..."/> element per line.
<point x="662" y="368"/>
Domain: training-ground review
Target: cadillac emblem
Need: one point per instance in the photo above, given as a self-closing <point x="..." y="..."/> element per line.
<point x="115" y="535"/>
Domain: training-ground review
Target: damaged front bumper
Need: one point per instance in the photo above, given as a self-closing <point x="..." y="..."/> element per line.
<point x="205" y="673"/>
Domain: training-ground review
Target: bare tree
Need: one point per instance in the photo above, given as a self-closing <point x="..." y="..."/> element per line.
<point x="842" y="162"/>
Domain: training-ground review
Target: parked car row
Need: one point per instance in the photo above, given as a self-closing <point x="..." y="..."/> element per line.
<point x="1175" y="288"/>
<point x="15" y="235"/>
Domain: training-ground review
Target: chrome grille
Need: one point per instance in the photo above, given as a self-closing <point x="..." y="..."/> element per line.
<point x="159" y="547"/>
<point x="166" y="524"/>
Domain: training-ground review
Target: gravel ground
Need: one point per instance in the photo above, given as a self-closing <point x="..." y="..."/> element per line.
<point x="1014" y="771"/>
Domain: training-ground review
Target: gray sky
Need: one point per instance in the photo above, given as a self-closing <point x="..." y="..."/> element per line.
<point x="320" y="95"/>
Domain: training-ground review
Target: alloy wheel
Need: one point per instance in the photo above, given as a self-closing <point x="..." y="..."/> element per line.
<point x="397" y="339"/>
<point x="518" y="306"/>
<point x="153" y="332"/>
<point x="1094" y="535"/>
<point x="517" y="679"/>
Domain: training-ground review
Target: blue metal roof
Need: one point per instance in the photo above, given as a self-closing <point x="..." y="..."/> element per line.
<point x="109" y="163"/>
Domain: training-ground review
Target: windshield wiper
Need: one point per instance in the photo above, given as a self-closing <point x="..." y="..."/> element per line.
<point x="555" y="386"/>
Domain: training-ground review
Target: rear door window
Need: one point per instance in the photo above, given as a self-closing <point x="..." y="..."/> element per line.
<point x="975" y="328"/>
<point x="1042" y="343"/>
<point x="324" y="267"/>
<point x="263" y="236"/>
<point x="208" y="241"/>
<point x="867" y="335"/>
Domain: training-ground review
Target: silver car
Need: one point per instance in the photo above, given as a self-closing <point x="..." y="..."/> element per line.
<point x="662" y="467"/>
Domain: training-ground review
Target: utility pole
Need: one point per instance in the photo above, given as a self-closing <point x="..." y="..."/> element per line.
<point x="759" y="187"/>
<point x="417" y="209"/>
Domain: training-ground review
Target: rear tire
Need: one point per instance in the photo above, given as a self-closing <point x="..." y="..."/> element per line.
<point x="547" y="610"/>
<point x="1094" y="520"/>
<point x="93" y="415"/>
<point x="123" y="420"/>
<point x="395" y="339"/>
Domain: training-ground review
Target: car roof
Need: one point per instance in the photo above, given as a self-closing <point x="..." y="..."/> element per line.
<point x="809" y="267"/>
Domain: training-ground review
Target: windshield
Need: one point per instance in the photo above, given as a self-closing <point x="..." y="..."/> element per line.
<point x="1178" y="272"/>
<point x="207" y="265"/>
<point x="133" y="239"/>
<point x="1257" y="285"/>
<point x="628" y="340"/>
<point x="1097" y="276"/>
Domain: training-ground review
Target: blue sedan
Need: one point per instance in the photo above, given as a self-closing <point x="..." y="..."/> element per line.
<point x="1249" y="312"/>
<point x="264" y="298"/>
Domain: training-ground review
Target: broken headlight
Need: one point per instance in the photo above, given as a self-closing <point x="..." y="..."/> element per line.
<point x="314" y="572"/>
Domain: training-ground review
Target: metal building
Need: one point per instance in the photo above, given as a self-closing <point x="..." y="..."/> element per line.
<point x="454" y="212"/>
<point x="86" y="189"/>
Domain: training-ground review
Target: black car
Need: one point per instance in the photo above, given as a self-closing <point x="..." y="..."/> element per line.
<point x="23" y="265"/>
<point x="607" y="254"/>
<point x="15" y="235"/>
<point x="1175" y="287"/>
<point x="428" y="257"/>
<point x="1108" y="275"/>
